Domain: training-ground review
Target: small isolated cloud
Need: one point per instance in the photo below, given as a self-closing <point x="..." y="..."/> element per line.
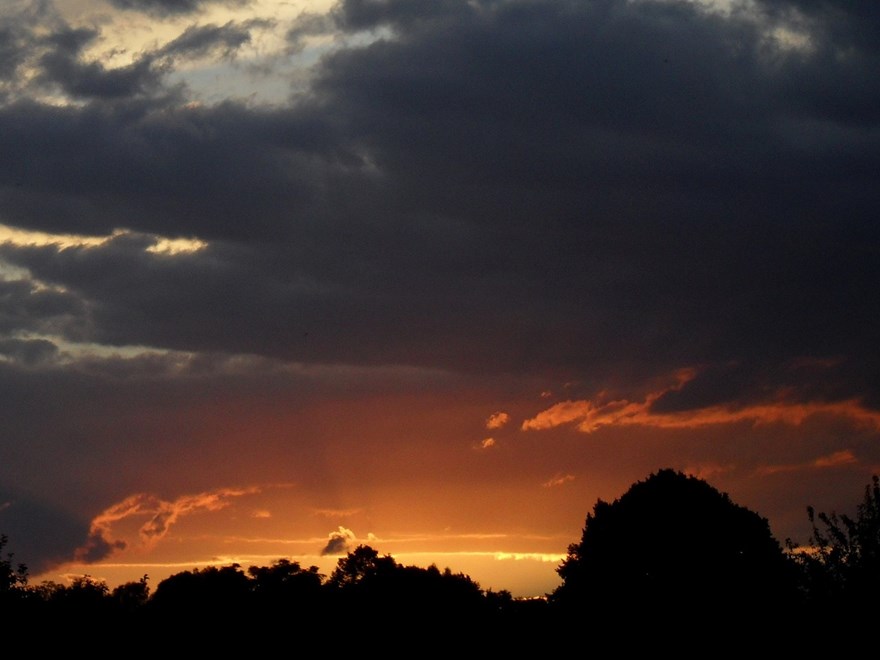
<point x="488" y="443"/>
<point x="558" y="480"/>
<point x="497" y="420"/>
<point x="262" y="514"/>
<point x="339" y="542"/>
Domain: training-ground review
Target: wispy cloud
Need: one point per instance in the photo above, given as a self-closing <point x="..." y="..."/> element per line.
<point x="163" y="514"/>
<point x="590" y="415"/>
<point x="337" y="513"/>
<point x="558" y="480"/>
<point x="837" y="459"/>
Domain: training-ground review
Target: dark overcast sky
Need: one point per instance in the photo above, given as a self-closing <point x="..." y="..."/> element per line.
<point x="661" y="214"/>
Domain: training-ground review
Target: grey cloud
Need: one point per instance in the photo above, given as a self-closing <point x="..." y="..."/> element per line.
<point x="29" y="352"/>
<point x="173" y="7"/>
<point x="369" y="14"/>
<point x="90" y="80"/>
<point x="40" y="533"/>
<point x="591" y="185"/>
<point x="340" y="542"/>
<point x="11" y="55"/>
<point x="213" y="172"/>
<point x="306" y="25"/>
<point x="19" y="41"/>
<point x="97" y="548"/>
<point x="202" y="40"/>
<point x="29" y="309"/>
<point x="837" y="22"/>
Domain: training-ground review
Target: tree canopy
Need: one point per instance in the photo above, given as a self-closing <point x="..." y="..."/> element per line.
<point x="674" y="542"/>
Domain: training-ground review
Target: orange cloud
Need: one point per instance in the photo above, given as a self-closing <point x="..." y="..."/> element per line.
<point x="497" y="420"/>
<point x="558" y="480"/>
<point x="163" y="514"/>
<point x="591" y="415"/>
<point x="488" y="443"/>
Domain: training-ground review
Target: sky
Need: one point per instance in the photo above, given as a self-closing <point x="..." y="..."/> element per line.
<point x="279" y="278"/>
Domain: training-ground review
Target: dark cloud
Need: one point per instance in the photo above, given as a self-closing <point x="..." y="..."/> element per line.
<point x="307" y="25"/>
<point x="589" y="184"/>
<point x="11" y="53"/>
<point x="63" y="66"/>
<point x="173" y="7"/>
<point x="97" y="548"/>
<point x="203" y="40"/>
<point x="737" y="385"/>
<point x="28" y="351"/>
<point x="40" y="533"/>
<point x="27" y="308"/>
<point x="339" y="543"/>
<point x="358" y="15"/>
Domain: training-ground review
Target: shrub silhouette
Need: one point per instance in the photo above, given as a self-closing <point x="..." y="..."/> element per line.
<point x="673" y="547"/>
<point x="840" y="566"/>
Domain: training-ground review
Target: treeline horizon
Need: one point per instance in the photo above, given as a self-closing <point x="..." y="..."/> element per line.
<point x="670" y="552"/>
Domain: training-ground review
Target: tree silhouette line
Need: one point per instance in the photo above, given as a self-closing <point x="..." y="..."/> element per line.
<point x="673" y="559"/>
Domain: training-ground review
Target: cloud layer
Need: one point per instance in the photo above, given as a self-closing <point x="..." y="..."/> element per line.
<point x="509" y="195"/>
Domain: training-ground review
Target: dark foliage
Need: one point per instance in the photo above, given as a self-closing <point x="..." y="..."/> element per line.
<point x="675" y="552"/>
<point x="840" y="566"/>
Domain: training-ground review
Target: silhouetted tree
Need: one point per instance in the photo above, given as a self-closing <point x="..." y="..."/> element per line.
<point x="12" y="577"/>
<point x="673" y="548"/>
<point x="841" y="563"/>
<point x="84" y="601"/>
<point x="221" y="593"/>
<point x="372" y="592"/>
<point x="131" y="596"/>
<point x="361" y="565"/>
<point x="17" y="601"/>
<point x="286" y="589"/>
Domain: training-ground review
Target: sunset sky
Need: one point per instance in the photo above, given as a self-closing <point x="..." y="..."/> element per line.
<point x="281" y="277"/>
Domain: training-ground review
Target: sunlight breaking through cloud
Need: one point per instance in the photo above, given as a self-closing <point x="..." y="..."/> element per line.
<point x="160" y="245"/>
